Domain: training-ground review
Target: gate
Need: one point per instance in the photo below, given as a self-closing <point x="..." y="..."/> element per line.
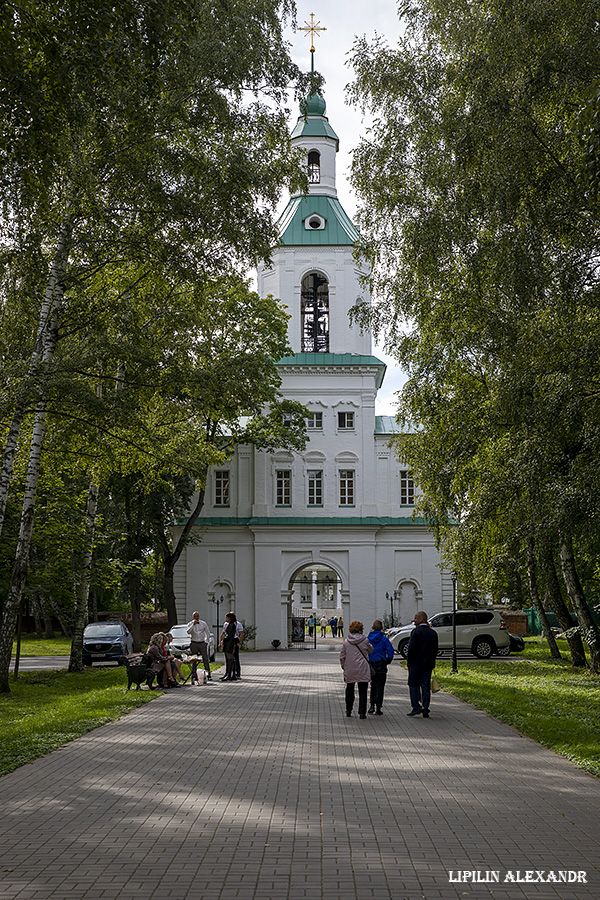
<point x="300" y="636"/>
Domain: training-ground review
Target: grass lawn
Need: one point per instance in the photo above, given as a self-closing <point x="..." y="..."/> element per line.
<point x="31" y="645"/>
<point x="46" y="709"/>
<point x="547" y="700"/>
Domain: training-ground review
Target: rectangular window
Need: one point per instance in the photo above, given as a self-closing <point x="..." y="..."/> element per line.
<point x="284" y="488"/>
<point x="315" y="421"/>
<point x="286" y="420"/>
<point x="345" y="421"/>
<point x="346" y="487"/>
<point x="222" y="487"/>
<point x="407" y="488"/>
<point x="315" y="487"/>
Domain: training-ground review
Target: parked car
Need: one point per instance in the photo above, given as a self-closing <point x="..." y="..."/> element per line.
<point x="106" y="641"/>
<point x="482" y="631"/>
<point x="180" y="644"/>
<point x="517" y="644"/>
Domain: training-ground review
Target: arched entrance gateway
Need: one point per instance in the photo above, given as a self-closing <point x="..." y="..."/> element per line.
<point x="314" y="590"/>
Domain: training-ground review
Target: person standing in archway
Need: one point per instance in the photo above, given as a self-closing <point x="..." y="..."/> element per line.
<point x="323" y="624"/>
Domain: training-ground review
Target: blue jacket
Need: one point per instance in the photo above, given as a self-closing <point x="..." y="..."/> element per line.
<point x="382" y="649"/>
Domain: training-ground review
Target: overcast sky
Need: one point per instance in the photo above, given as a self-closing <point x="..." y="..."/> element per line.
<point x="344" y="20"/>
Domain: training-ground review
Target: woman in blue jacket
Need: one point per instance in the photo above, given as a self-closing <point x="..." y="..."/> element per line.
<point x="380" y="658"/>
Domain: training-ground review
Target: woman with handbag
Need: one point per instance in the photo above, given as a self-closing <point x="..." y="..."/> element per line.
<point x="354" y="659"/>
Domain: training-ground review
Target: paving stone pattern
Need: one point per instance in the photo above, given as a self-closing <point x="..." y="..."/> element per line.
<point x="264" y="790"/>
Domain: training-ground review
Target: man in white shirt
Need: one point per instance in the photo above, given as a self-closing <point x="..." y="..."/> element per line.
<point x="200" y="636"/>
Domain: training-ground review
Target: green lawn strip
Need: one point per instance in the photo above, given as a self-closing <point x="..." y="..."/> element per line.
<point x="45" y="710"/>
<point x="31" y="645"/>
<point x="547" y="700"/>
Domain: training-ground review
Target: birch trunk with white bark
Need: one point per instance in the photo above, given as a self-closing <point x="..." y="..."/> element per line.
<point x="587" y="627"/>
<point x="535" y="599"/>
<point x="81" y="603"/>
<point x="52" y="299"/>
<point x="48" y="337"/>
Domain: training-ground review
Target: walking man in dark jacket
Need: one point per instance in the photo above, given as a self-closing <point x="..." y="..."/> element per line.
<point x="420" y="656"/>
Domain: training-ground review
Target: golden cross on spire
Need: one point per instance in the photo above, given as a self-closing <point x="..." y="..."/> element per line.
<point x="313" y="28"/>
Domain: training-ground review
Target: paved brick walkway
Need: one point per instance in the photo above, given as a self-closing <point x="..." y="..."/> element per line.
<point x="264" y="790"/>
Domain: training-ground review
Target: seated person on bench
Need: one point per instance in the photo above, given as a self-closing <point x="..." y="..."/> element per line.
<point x="159" y="662"/>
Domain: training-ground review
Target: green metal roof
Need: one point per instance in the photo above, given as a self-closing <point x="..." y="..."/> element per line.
<point x="335" y="359"/>
<point x="309" y="521"/>
<point x="338" y="230"/>
<point x="388" y="425"/>
<point x="314" y="126"/>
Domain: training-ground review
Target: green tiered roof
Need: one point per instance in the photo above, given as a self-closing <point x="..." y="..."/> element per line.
<point x="338" y="230"/>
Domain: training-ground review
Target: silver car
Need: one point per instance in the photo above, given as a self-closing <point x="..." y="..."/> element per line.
<point x="481" y="631"/>
<point x="180" y="645"/>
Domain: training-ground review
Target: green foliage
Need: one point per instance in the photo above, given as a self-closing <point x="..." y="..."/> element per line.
<point x="143" y="150"/>
<point x="545" y="699"/>
<point x="47" y="709"/>
<point x="249" y="635"/>
<point x="31" y="645"/>
<point x="484" y="244"/>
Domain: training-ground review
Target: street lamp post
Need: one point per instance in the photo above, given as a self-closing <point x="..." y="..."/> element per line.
<point x="218" y="601"/>
<point x="390" y="600"/>
<point x="454" y="578"/>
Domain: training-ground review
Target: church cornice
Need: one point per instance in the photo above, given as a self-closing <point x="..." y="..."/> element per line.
<point x="334" y="364"/>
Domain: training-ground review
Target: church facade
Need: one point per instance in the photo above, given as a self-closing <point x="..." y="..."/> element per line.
<point x="331" y="528"/>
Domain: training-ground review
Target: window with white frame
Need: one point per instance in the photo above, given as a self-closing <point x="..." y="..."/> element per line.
<point x="283" y="491"/>
<point x="315" y="421"/>
<point x="345" y="421"/>
<point x="315" y="487"/>
<point x="407" y="488"/>
<point x="346" y="487"/>
<point x="222" y="487"/>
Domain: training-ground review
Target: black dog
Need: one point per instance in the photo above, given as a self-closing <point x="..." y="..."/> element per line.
<point x="137" y="673"/>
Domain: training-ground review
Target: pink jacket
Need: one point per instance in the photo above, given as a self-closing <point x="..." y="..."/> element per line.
<point x="354" y="657"/>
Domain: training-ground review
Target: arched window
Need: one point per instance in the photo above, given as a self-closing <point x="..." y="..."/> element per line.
<point x="315" y="313"/>
<point x="314" y="167"/>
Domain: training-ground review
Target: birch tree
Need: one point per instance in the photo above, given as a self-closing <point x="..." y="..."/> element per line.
<point x="126" y="131"/>
<point x="484" y="243"/>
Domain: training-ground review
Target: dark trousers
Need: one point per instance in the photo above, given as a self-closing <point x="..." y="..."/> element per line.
<point x="362" y="697"/>
<point x="236" y="661"/>
<point x="378" y="678"/>
<point x="419" y="686"/>
<point x="200" y="648"/>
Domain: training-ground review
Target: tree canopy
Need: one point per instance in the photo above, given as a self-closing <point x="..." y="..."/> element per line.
<point x="143" y="149"/>
<point x="483" y="237"/>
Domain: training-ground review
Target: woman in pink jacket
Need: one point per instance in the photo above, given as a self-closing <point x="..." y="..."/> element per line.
<point x="354" y="658"/>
